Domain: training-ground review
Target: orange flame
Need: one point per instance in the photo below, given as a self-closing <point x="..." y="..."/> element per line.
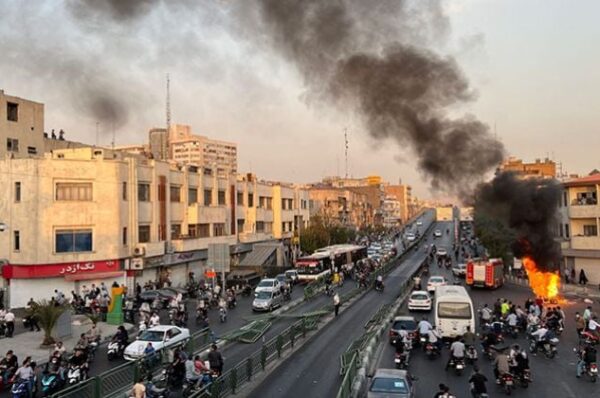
<point x="544" y="284"/>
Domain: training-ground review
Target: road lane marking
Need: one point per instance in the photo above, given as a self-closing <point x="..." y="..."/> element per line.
<point x="568" y="389"/>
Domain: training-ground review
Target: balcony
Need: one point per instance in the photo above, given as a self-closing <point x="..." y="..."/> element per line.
<point x="198" y="214"/>
<point x="584" y="211"/>
<point x="585" y="243"/>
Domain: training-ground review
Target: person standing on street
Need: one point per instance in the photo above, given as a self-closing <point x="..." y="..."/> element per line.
<point x="336" y="303"/>
<point x="215" y="359"/>
<point x="9" y="318"/>
<point x="33" y="321"/>
<point x="583" y="280"/>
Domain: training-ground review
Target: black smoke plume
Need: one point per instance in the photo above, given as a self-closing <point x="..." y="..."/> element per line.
<point x="528" y="209"/>
<point x="401" y="91"/>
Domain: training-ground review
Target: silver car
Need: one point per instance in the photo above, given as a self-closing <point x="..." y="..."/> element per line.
<point x="391" y="383"/>
<point x="266" y="300"/>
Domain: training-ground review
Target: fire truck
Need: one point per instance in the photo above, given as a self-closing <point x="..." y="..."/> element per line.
<point x="485" y="273"/>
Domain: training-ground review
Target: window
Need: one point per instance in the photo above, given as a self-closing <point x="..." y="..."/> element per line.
<point x="144" y="192"/>
<point x="268" y="227"/>
<point x="269" y="203"/>
<point x="240" y="225"/>
<point x="565" y="198"/>
<point x="192" y="196"/>
<point x="31" y="150"/>
<point x="192" y="230"/>
<point x="218" y="229"/>
<point x="17" y="191"/>
<point x="250" y="200"/>
<point x="17" y="241"/>
<point x="124" y="236"/>
<point x="221" y="198"/>
<point x="74" y="191"/>
<point x="175" y="193"/>
<point x="204" y="230"/>
<point x="240" y="199"/>
<point x="567" y="231"/>
<point x="260" y="226"/>
<point x="175" y="231"/>
<point x="590" y="230"/>
<point x="560" y="230"/>
<point x="454" y="310"/>
<point x="12" y="145"/>
<point x="265" y="202"/>
<point x="207" y="197"/>
<point x="12" y="112"/>
<point x="124" y="190"/>
<point x="283" y="226"/>
<point x="73" y="241"/>
<point x="144" y="233"/>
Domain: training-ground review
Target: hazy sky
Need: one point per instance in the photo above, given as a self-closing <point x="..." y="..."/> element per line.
<point x="534" y="64"/>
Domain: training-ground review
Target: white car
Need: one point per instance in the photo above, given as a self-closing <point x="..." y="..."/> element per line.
<point x="460" y="270"/>
<point x="437" y="233"/>
<point x="434" y="282"/>
<point x="419" y="300"/>
<point x="419" y="223"/>
<point x="160" y="336"/>
<point x="410" y="237"/>
<point x="267" y="285"/>
<point x="293" y="275"/>
<point x="441" y="252"/>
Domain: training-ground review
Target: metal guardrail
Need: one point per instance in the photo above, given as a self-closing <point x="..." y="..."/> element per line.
<point x="345" y="390"/>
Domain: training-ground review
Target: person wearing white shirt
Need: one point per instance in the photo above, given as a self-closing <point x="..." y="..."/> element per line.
<point x="512" y="319"/>
<point x="154" y="320"/>
<point x="424" y="327"/>
<point x="594" y="326"/>
<point x="9" y="318"/>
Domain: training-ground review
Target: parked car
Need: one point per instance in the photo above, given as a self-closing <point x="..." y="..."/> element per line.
<point x="160" y="336"/>
<point x="268" y="284"/>
<point x="409" y="323"/>
<point x="267" y="300"/>
<point x="434" y="282"/>
<point x="391" y="383"/>
<point x="419" y="300"/>
<point x="460" y="270"/>
<point x="293" y="275"/>
<point x="437" y="233"/>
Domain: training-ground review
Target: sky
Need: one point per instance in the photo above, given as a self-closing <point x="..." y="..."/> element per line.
<point x="533" y="64"/>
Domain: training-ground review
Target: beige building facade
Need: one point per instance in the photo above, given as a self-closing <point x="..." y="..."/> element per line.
<point x="21" y="127"/>
<point x="92" y="215"/>
<point x="341" y="206"/>
<point x="578" y="226"/>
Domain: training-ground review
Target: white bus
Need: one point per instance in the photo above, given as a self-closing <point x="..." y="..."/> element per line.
<point x="453" y="311"/>
<point x="323" y="261"/>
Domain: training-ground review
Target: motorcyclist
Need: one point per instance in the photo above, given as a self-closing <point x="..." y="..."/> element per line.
<point x="435" y="338"/>
<point x="457" y="352"/>
<point x="82" y="343"/>
<point x="477" y="382"/>
<point x="424" y="327"/>
<point x="401" y="340"/>
<point x="490" y="339"/>
<point x="94" y="334"/>
<point x="8" y="366"/>
<point x="417" y="282"/>
<point x="80" y="359"/>
<point x="486" y="314"/>
<point x="60" y="348"/>
<point x="587" y="356"/>
<point x="379" y="282"/>
<point x="501" y="366"/>
<point x="541" y="335"/>
<point x="512" y="320"/>
<point x="191" y="375"/>
<point x="469" y="337"/>
<point x="154" y="319"/>
<point x="444" y="392"/>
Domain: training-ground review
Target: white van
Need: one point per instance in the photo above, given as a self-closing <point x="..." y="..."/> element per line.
<point x="453" y="311"/>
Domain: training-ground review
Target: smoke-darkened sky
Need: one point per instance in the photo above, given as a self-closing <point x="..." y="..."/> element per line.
<point x="525" y="72"/>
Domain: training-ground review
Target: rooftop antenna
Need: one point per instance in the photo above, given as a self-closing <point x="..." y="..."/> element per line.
<point x="97" y="128"/>
<point x="113" y="135"/>
<point x="346" y="150"/>
<point x="168" y="102"/>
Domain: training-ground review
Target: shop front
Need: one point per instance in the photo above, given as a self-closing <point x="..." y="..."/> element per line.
<point x="39" y="281"/>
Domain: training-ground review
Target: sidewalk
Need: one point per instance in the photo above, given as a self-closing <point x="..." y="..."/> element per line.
<point x="588" y="291"/>
<point x="28" y="343"/>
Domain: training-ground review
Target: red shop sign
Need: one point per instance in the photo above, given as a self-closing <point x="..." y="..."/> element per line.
<point x="13" y="271"/>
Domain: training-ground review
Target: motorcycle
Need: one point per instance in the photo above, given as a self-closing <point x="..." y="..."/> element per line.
<point x="114" y="350"/>
<point x="458" y="364"/>
<point x="507" y="383"/>
<point x="74" y="375"/>
<point x="432" y="351"/>
<point x="51" y="383"/>
<point x="231" y="303"/>
<point x="379" y="286"/>
<point x="92" y="347"/>
<point x="287" y="296"/>
<point x="401" y="360"/>
<point x="222" y="315"/>
<point x="548" y="347"/>
<point x="592" y="371"/>
<point x="471" y="355"/>
<point x="588" y="338"/>
<point x="524" y="378"/>
<point x="190" y="387"/>
<point x="19" y="389"/>
<point x="158" y="387"/>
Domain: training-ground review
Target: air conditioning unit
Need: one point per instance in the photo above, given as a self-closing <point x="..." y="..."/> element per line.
<point x="136" y="264"/>
<point x="139" y="251"/>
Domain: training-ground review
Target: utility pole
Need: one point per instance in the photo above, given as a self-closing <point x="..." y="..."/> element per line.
<point x="168" y="103"/>
<point x="346" y="150"/>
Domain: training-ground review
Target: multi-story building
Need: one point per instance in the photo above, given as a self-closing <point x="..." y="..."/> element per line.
<point x="545" y="169"/>
<point x="21" y="127"/>
<point x="340" y="206"/>
<point x="392" y="212"/>
<point x="187" y="148"/>
<point x="578" y="226"/>
<point x="158" y="142"/>
<point x="402" y="194"/>
<point x="93" y="215"/>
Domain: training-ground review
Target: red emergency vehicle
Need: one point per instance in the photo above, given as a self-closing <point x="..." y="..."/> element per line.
<point x="485" y="273"/>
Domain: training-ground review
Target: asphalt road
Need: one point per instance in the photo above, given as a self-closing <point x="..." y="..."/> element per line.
<point x="551" y="377"/>
<point x="313" y="371"/>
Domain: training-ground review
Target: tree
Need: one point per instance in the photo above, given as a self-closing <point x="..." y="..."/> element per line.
<point x="323" y="232"/>
<point x="48" y="314"/>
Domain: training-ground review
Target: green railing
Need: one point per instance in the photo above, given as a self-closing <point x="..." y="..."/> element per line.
<point x="345" y="390"/>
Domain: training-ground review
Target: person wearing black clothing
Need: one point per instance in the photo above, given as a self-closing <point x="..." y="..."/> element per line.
<point x="444" y="392"/>
<point x="8" y="366"/>
<point x="80" y="359"/>
<point x="216" y="360"/>
<point x="477" y="381"/>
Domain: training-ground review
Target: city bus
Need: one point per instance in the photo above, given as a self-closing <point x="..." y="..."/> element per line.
<point x="327" y="259"/>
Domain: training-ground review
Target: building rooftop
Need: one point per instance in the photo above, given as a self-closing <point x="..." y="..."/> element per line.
<point x="587" y="180"/>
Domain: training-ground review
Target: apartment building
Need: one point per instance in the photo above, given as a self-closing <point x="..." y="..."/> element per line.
<point x="341" y="206"/>
<point x="578" y="226"/>
<point x="403" y="195"/>
<point x="539" y="168"/>
<point x="91" y="215"/>
<point x="188" y="148"/>
<point x="21" y="127"/>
